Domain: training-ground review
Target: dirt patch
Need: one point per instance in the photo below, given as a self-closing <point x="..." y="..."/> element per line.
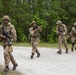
<point x="11" y="72"/>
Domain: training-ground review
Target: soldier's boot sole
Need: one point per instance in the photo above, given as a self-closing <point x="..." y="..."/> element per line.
<point x="6" y="70"/>
<point x="66" y="51"/>
<point x="15" y="66"/>
<point x="38" y="55"/>
<point x="32" y="55"/>
<point x="59" y="52"/>
<point x="72" y="50"/>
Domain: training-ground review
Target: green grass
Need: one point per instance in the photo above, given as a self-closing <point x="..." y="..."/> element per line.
<point x="40" y="45"/>
<point x="22" y="44"/>
<point x="1" y="70"/>
<point x="51" y="45"/>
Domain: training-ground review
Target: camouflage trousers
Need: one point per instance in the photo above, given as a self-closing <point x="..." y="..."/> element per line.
<point x="73" y="39"/>
<point x="34" y="48"/>
<point x="8" y="56"/>
<point x="62" y="39"/>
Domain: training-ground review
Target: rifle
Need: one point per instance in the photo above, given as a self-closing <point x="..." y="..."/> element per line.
<point x="35" y="28"/>
<point x="75" y="26"/>
<point x="60" y="31"/>
<point x="7" y="37"/>
<point x="38" y="28"/>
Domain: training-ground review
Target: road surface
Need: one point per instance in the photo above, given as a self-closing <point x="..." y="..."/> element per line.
<point x="49" y="63"/>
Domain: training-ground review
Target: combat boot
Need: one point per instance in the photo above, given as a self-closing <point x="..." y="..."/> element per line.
<point x="6" y="69"/>
<point x="59" y="52"/>
<point x="32" y="55"/>
<point x="66" y="51"/>
<point x="72" y="49"/>
<point x="38" y="55"/>
<point x="15" y="66"/>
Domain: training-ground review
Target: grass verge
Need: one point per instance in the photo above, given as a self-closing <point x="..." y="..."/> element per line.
<point x="51" y="45"/>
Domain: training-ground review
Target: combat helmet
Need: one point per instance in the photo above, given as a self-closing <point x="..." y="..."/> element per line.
<point x="33" y="22"/>
<point x="74" y="23"/>
<point x="59" y="22"/>
<point x="6" y="17"/>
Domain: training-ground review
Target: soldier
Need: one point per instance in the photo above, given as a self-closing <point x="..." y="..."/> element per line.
<point x="35" y="34"/>
<point x="61" y="31"/>
<point x="8" y="30"/>
<point x="73" y="36"/>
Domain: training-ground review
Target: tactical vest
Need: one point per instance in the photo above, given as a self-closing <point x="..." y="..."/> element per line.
<point x="61" y="29"/>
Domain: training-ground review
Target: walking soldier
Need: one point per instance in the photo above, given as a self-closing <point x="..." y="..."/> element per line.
<point x="73" y="36"/>
<point x="61" y="31"/>
<point x="35" y="38"/>
<point x="8" y="36"/>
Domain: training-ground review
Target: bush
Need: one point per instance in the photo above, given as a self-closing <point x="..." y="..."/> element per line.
<point x="52" y="38"/>
<point x="21" y="36"/>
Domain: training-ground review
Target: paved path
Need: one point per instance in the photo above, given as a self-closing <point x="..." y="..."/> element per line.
<point x="50" y="63"/>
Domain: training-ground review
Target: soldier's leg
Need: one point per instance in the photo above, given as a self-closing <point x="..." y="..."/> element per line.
<point x="6" y="59"/>
<point x="38" y="53"/>
<point x="33" y="50"/>
<point x="73" y="43"/>
<point x="65" y="43"/>
<point x="59" y="44"/>
<point x="13" y="61"/>
<point x="72" y="49"/>
<point x="35" y="44"/>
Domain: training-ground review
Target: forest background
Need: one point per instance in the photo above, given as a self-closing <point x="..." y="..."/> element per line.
<point x="44" y="12"/>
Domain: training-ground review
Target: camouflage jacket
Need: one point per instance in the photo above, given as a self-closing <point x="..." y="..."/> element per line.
<point x="73" y="32"/>
<point x="10" y="29"/>
<point x="61" y="29"/>
<point x="32" y="34"/>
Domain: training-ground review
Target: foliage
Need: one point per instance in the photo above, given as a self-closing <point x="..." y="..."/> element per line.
<point x="21" y="36"/>
<point x="44" y="12"/>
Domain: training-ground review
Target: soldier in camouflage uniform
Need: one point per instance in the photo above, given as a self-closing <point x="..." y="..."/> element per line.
<point x="61" y="31"/>
<point x="35" y="35"/>
<point x="73" y="36"/>
<point x="10" y="30"/>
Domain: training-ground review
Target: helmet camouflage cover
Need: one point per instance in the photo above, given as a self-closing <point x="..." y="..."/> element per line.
<point x="74" y="23"/>
<point x="6" y="17"/>
<point x="59" y="22"/>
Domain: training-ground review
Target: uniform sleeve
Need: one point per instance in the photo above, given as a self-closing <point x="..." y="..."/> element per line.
<point x="31" y="31"/>
<point x="72" y="31"/>
<point x="0" y="29"/>
<point x="57" y="30"/>
<point x="13" y="34"/>
<point x="65" y="32"/>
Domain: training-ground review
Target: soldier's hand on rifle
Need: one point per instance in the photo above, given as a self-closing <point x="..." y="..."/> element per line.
<point x="2" y="36"/>
<point x="59" y="33"/>
<point x="35" y="30"/>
